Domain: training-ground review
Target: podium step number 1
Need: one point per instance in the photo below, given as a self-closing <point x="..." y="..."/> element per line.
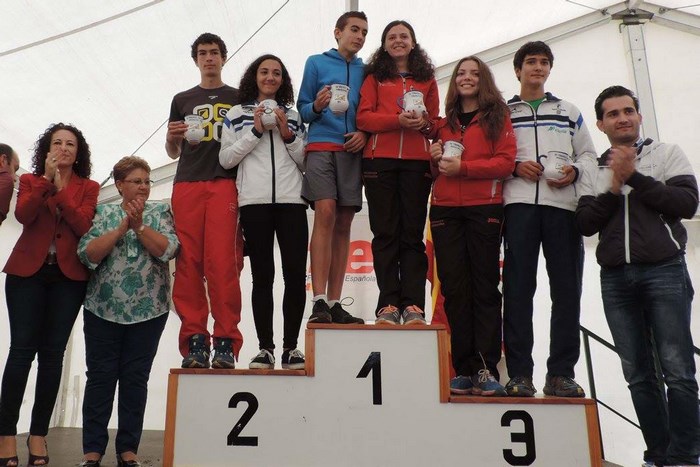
<point x="370" y="396"/>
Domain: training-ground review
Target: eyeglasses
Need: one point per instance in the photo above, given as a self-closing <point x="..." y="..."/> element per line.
<point x="148" y="182"/>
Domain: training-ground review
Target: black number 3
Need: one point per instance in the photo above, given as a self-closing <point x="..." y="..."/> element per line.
<point x="233" y="439"/>
<point x="527" y="437"/>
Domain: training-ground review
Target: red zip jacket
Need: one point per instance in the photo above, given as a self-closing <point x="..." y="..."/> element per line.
<point x="484" y="165"/>
<point x="378" y="113"/>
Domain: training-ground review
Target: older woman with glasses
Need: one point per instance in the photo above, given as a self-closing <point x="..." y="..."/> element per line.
<point x="125" y="310"/>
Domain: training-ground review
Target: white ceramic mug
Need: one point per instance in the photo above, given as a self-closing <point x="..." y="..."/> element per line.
<point x="452" y="149"/>
<point x="413" y="102"/>
<point x="339" y="98"/>
<point x="554" y="163"/>
<point x="195" y="132"/>
<point x="268" y="117"/>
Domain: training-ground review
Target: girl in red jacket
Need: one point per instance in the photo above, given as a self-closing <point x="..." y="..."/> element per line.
<point x="466" y="216"/>
<point x="396" y="169"/>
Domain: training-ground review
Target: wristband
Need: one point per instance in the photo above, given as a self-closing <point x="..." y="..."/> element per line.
<point x="140" y="230"/>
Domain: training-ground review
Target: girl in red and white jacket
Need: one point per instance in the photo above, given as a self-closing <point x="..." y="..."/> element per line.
<point x="466" y="216"/>
<point x="396" y="169"/>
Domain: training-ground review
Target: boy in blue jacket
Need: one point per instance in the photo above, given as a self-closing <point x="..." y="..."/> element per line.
<point x="333" y="179"/>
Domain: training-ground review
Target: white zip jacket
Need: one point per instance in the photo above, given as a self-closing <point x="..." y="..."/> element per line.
<point x="269" y="170"/>
<point x="556" y="127"/>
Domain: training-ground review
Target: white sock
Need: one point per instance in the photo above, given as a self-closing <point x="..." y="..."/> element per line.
<point x="332" y="302"/>
<point x="320" y="297"/>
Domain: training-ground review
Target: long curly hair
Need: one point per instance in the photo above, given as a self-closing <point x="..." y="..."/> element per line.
<point x="491" y="104"/>
<point x="383" y="67"/>
<point x="82" y="166"/>
<point x="248" y="88"/>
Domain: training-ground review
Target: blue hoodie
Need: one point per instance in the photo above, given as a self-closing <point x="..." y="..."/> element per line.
<point x="325" y="69"/>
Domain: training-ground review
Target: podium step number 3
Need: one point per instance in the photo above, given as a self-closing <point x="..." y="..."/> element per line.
<point x="370" y="396"/>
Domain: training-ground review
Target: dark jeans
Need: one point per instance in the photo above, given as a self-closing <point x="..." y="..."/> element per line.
<point x="261" y="223"/>
<point x="467" y="242"/>
<point x="124" y="353"/>
<point x="526" y="227"/>
<point x="397" y="197"/>
<point x="42" y="309"/>
<point x="645" y="301"/>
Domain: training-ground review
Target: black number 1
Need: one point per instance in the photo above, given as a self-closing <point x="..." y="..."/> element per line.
<point x="233" y="439"/>
<point x="373" y="364"/>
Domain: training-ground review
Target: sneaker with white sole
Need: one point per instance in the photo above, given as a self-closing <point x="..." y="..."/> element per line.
<point x="412" y="315"/>
<point x="388" y="315"/>
<point x="293" y="359"/>
<point x="461" y="385"/>
<point x="486" y="385"/>
<point x="264" y="360"/>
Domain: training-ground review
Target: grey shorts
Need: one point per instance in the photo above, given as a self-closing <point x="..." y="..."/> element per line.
<point x="333" y="175"/>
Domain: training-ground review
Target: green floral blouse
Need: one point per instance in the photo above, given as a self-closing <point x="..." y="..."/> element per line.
<point x="129" y="285"/>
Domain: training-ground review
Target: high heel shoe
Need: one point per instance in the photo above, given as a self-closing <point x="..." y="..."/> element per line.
<point x="122" y="463"/>
<point x="5" y="461"/>
<point x="32" y="462"/>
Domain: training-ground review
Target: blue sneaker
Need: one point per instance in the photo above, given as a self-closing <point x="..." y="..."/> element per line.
<point x="461" y="385"/>
<point x="486" y="385"/>
<point x="223" y="358"/>
<point x="198" y="356"/>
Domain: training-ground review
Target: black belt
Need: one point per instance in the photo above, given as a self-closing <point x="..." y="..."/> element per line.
<point x="51" y="258"/>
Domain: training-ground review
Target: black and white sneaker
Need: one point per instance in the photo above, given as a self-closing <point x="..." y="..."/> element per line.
<point x="321" y="313"/>
<point x="293" y="360"/>
<point x="264" y="360"/>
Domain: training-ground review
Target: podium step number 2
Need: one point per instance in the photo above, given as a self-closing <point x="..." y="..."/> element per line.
<point x="370" y="396"/>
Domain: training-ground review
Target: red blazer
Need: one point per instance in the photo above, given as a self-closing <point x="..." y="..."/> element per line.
<point x="36" y="211"/>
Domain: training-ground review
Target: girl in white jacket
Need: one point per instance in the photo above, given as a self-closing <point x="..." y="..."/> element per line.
<point x="270" y="162"/>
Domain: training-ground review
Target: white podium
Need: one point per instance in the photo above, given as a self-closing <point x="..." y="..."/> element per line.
<point x="370" y="396"/>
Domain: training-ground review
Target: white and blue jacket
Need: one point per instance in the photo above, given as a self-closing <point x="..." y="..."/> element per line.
<point x="269" y="169"/>
<point x="556" y="126"/>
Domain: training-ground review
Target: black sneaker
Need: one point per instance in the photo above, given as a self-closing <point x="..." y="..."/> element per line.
<point x="340" y="316"/>
<point x="520" y="386"/>
<point x="562" y="386"/>
<point x="264" y="360"/>
<point x="198" y="356"/>
<point x="223" y="354"/>
<point x="320" y="313"/>
<point x="293" y="360"/>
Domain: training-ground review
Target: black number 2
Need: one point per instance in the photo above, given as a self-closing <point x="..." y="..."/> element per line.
<point x="527" y="437"/>
<point x="233" y="439"/>
<point x="373" y="364"/>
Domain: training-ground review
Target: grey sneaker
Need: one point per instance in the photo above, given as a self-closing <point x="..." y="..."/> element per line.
<point x="264" y="360"/>
<point x="388" y="315"/>
<point x="412" y="315"/>
<point x="520" y="386"/>
<point x="320" y="313"/>
<point x="562" y="386"/>
<point x="223" y="354"/>
<point x="198" y="356"/>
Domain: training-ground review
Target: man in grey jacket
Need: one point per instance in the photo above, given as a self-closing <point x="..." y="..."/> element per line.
<point x="643" y="189"/>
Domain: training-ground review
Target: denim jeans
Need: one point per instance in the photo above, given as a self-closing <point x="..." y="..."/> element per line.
<point x="645" y="301"/>
<point x="114" y="353"/>
<point x="42" y="309"/>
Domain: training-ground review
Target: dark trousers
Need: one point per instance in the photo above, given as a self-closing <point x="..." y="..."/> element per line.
<point x="467" y="242"/>
<point x="42" y="309"/>
<point x="397" y="196"/>
<point x="261" y="223"/>
<point x="645" y="301"/>
<point x="114" y="353"/>
<point x="526" y="227"/>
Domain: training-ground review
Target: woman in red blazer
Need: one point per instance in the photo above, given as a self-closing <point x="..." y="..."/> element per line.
<point x="46" y="281"/>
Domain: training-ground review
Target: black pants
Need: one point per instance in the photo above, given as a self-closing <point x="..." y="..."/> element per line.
<point x="397" y="196"/>
<point x="526" y="227"/>
<point x="114" y="353"/>
<point x="467" y="242"/>
<point x="42" y="309"/>
<point x="260" y="223"/>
